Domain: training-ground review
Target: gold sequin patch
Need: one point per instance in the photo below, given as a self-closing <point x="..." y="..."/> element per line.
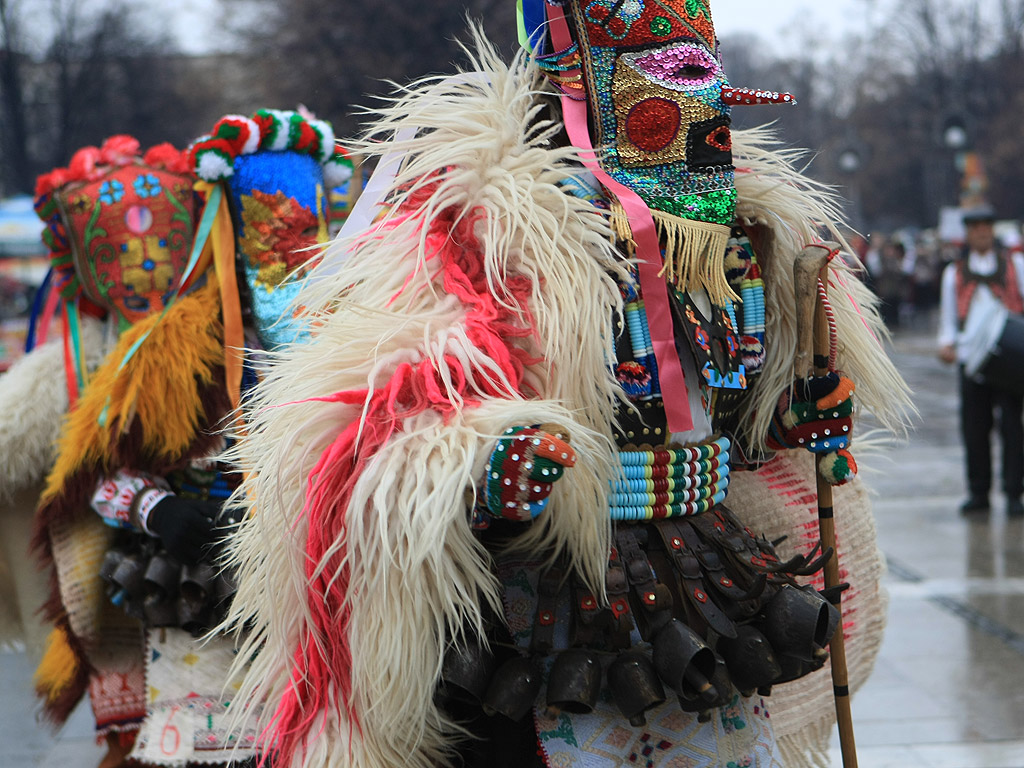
<point x="652" y="121"/>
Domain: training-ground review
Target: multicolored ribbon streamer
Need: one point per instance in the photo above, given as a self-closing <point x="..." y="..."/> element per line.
<point x="222" y="244"/>
<point x="529" y="21"/>
<point x="74" y="370"/>
<point x="39" y="303"/>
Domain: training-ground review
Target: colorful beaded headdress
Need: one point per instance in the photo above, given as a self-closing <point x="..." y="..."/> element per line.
<point x="278" y="167"/>
<point x="119" y="226"/>
<point x="650" y="73"/>
<point x="646" y="101"/>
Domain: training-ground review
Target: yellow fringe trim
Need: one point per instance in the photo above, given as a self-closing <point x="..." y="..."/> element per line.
<point x="58" y="668"/>
<point x="694" y="252"/>
<point x="158" y="386"/>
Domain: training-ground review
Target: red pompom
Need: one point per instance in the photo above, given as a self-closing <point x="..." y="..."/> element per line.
<point x="168" y="157"/>
<point x="48" y="182"/>
<point x="120" y="150"/>
<point x="266" y="125"/>
<point x="83" y="163"/>
<point x="234" y="131"/>
<point x="308" y="139"/>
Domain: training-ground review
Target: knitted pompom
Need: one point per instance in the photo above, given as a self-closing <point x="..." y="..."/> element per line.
<point x="120" y="150"/>
<point x="168" y="157"/>
<point x="838" y="468"/>
<point x="277" y="138"/>
<point x="326" y="134"/>
<point x="86" y="163"/>
<point x="214" y="164"/>
<point x="337" y="171"/>
<point x="241" y="133"/>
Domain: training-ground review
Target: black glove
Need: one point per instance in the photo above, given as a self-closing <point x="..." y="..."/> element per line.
<point x="188" y="528"/>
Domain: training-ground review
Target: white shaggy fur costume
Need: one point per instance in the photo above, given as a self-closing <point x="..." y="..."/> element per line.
<point x="407" y="568"/>
<point x="33" y="401"/>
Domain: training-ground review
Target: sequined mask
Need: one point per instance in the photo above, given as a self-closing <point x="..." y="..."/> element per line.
<point x="654" y="84"/>
<point x="130" y="233"/>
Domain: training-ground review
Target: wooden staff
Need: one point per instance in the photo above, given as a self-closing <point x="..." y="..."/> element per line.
<point x="813" y="349"/>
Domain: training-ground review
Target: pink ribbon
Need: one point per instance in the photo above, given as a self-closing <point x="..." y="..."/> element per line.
<point x="48" y="311"/>
<point x="648" y="248"/>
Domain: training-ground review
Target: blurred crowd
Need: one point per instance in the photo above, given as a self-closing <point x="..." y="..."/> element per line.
<point x="904" y="268"/>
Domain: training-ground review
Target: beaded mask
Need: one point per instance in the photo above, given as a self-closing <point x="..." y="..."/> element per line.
<point x="654" y="86"/>
<point x="120" y="227"/>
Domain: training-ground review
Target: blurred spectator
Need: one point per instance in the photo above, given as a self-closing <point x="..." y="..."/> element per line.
<point x="889" y="281"/>
<point x="985" y="271"/>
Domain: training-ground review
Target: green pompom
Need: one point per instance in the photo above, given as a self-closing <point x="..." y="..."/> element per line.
<point x="837" y="468"/>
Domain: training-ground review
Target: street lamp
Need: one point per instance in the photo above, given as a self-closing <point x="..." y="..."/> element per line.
<point x="954" y="133"/>
<point x="849" y="161"/>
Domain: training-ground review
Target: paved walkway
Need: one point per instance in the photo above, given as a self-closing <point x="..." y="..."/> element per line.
<point x="948" y="689"/>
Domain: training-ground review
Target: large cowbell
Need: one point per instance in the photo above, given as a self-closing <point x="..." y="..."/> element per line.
<point x="279" y="208"/>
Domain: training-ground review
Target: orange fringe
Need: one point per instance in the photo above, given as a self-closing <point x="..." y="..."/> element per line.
<point x="160" y="387"/>
<point x="59" y="667"/>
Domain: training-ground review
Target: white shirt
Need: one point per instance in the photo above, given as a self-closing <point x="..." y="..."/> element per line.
<point x="980" y="264"/>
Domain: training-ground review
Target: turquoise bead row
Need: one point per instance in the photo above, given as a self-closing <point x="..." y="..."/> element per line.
<point x="675" y="470"/>
<point x="675" y="455"/>
<point x="678" y="497"/>
<point x="640" y="341"/>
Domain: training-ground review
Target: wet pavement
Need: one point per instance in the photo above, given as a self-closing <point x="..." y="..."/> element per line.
<point x="948" y="687"/>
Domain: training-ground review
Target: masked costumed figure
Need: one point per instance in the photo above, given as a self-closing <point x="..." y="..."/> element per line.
<point x="120" y="229"/>
<point x="137" y="445"/>
<point x="488" y="493"/>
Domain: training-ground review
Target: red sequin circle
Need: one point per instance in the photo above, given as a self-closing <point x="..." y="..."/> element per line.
<point x="720" y="138"/>
<point x="653" y="124"/>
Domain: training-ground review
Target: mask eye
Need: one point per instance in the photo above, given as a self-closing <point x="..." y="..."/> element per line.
<point x="691" y="72"/>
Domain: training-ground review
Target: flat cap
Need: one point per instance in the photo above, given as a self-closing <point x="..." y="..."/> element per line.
<point x="979" y="213"/>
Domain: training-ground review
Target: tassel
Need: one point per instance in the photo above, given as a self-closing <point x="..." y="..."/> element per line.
<point x="619" y="223"/>
<point x="694" y="252"/>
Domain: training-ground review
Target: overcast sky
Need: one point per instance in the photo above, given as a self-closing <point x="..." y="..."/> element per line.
<point x="773" y="20"/>
<point x="786" y="23"/>
<point x="781" y="20"/>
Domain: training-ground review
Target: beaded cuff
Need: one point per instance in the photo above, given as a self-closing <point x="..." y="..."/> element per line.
<point x="116" y="498"/>
<point x="144" y="503"/>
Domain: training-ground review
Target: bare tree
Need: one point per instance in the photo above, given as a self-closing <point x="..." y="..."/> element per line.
<point x="886" y="94"/>
<point x="335" y="60"/>
<point x="929" y="67"/>
<point x="91" y="68"/>
<point x="17" y="172"/>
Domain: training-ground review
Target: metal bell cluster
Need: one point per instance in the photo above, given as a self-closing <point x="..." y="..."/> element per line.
<point x="788" y="641"/>
<point x="162" y="592"/>
<point x="471" y="674"/>
<point x="783" y="637"/>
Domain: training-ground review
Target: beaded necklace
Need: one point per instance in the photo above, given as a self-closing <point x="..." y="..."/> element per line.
<point x="670" y="482"/>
